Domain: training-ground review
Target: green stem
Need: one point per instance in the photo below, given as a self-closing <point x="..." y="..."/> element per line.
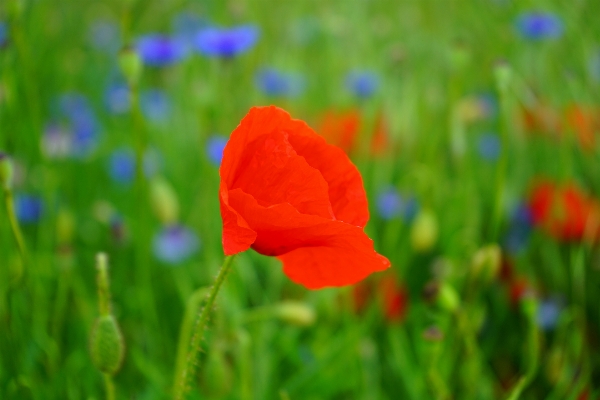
<point x="14" y="226"/>
<point x="182" y="387"/>
<point x="109" y="387"/>
<point x="533" y="347"/>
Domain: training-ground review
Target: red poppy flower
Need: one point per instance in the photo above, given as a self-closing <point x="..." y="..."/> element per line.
<point x="585" y="123"/>
<point x="286" y="193"/>
<point x="342" y="129"/>
<point x="395" y="298"/>
<point x="566" y="213"/>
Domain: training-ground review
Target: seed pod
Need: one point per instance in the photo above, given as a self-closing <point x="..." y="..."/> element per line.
<point x="486" y="262"/>
<point x="106" y="345"/>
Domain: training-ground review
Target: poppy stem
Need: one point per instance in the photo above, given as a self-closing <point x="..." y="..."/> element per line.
<point x="182" y="386"/>
<point x="533" y="347"/>
<point x="16" y="230"/>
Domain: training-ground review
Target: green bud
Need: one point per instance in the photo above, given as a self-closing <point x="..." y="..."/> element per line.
<point x="296" y="313"/>
<point x="65" y="227"/>
<point x="503" y="75"/>
<point x="6" y="171"/>
<point x="164" y="201"/>
<point x="217" y="376"/>
<point x="131" y="65"/>
<point x="448" y="298"/>
<point x="424" y="231"/>
<point x="460" y="56"/>
<point x="486" y="262"/>
<point x="106" y="345"/>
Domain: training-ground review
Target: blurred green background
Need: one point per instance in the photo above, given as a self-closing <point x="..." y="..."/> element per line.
<point x="452" y="111"/>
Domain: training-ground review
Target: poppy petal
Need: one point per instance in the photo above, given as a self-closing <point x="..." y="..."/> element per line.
<point x="316" y="251"/>
<point x="276" y="174"/>
<point x="346" y="191"/>
<point x="237" y="235"/>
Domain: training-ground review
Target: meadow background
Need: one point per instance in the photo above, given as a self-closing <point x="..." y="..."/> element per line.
<point x="453" y="111"/>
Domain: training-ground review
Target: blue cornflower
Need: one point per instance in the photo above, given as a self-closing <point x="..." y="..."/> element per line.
<point x="214" y="148"/>
<point x="159" y="50"/>
<point x="29" y="208"/>
<point x="392" y="204"/>
<point x="226" y="42"/>
<point x="83" y="125"/>
<point x="155" y="105"/>
<point x="175" y="244"/>
<point x="118" y="98"/>
<point x="122" y="165"/>
<point x="540" y="25"/>
<point x="362" y="83"/>
<point x="489" y="146"/>
<point x="548" y="312"/>
<point x="3" y="33"/>
<point x="276" y="83"/>
<point x="519" y="229"/>
<point x="105" y="35"/>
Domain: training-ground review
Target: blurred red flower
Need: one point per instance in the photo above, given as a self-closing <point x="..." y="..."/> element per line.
<point x="390" y="293"/>
<point x="585" y="123"/>
<point x="286" y="193"/>
<point x="564" y="212"/>
<point x="342" y="129"/>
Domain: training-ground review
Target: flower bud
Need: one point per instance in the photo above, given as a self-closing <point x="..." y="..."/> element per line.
<point x="486" y="262"/>
<point x="448" y="298"/>
<point x="296" y="313"/>
<point x="131" y="65"/>
<point x="460" y="56"/>
<point x="65" y="227"/>
<point x="164" y="201"/>
<point x="433" y="334"/>
<point x="503" y="75"/>
<point x="6" y="171"/>
<point x="106" y="345"/>
<point x="424" y="231"/>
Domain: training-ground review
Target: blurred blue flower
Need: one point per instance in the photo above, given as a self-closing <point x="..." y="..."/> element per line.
<point x="489" y="146"/>
<point x="104" y="35"/>
<point x="214" y="148"/>
<point x="118" y="98"/>
<point x="3" y="33"/>
<point x="29" y="208"/>
<point x="175" y="244"/>
<point x="155" y="105"/>
<point x="519" y="229"/>
<point x="121" y="165"/>
<point x="186" y="26"/>
<point x="275" y="83"/>
<point x="540" y="25"/>
<point x="226" y="42"/>
<point x="362" y="83"/>
<point x="594" y="66"/>
<point x="392" y="204"/>
<point x="159" y="50"/>
<point x="489" y="104"/>
<point x="83" y="125"/>
<point x="548" y="312"/>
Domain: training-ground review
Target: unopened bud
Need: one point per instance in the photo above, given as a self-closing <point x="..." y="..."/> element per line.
<point x="6" y="171"/>
<point x="460" y="56"/>
<point x="130" y="64"/>
<point x="65" y="227"/>
<point x="486" y="262"/>
<point x="424" y="231"/>
<point x="106" y="345"/>
<point x="448" y="298"/>
<point x="503" y="75"/>
<point x="295" y="312"/>
<point x="164" y="201"/>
